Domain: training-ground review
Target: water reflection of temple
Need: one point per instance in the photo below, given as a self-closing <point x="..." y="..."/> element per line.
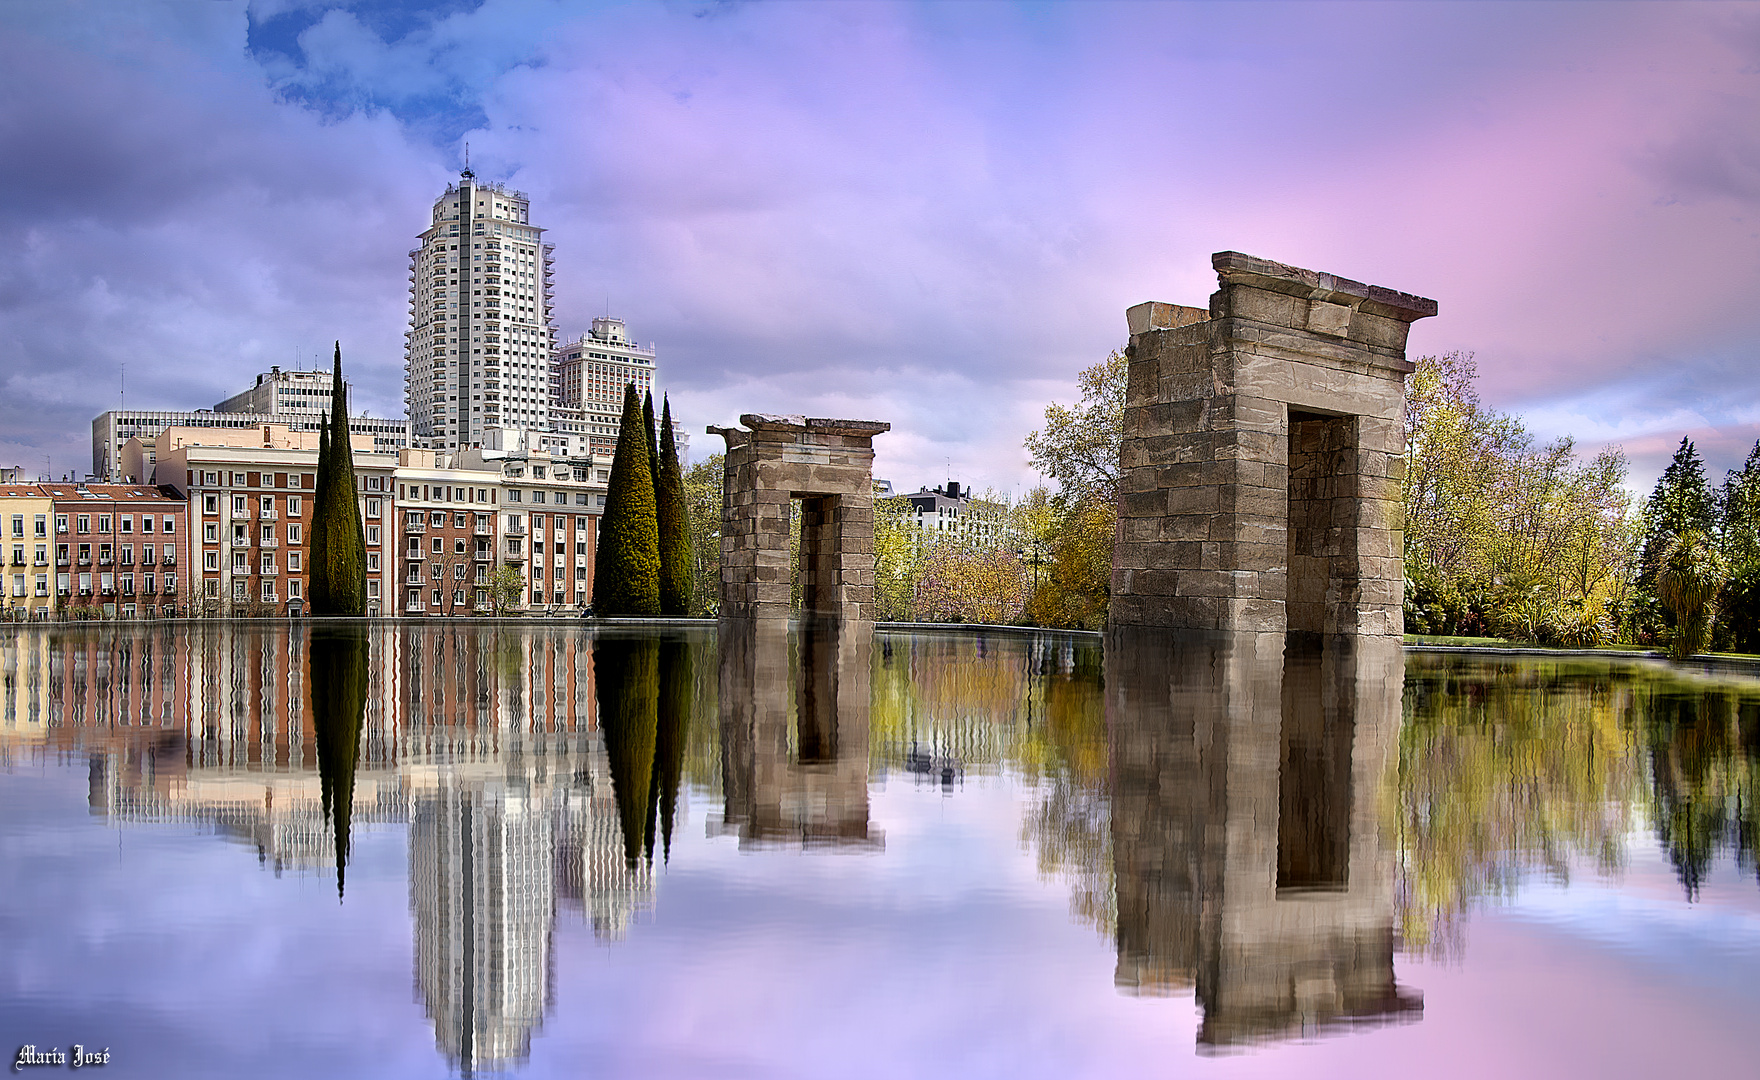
<point x="794" y="733"/>
<point x="1250" y="862"/>
<point x="486" y="745"/>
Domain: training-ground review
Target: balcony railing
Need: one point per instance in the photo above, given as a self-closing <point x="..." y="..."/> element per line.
<point x="40" y="560"/>
<point x="271" y="571"/>
<point x="410" y="526"/>
<point x="168" y="559"/>
<point x="105" y="560"/>
<point x="485" y="556"/>
<point x="85" y="560"/>
<point x="414" y="555"/>
<point x="266" y="515"/>
<point x="168" y="590"/>
<point x="482" y="530"/>
<point x="268" y="542"/>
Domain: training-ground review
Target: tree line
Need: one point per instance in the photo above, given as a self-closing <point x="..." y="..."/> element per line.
<point x="1506" y="536"/>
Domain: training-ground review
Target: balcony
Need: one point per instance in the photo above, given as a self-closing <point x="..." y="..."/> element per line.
<point x="18" y="559"/>
<point x="63" y="560"/>
<point x="271" y="571"/>
<point x="482" y="530"/>
<point x="266" y="515"/>
<point x="40" y="560"/>
<point x="485" y="556"/>
<point x="415" y="609"/>
<point x="169" y="589"/>
<point x="149" y="590"/>
<point x="168" y="559"/>
<point x="147" y="559"/>
<point x="268" y="542"/>
<point x="105" y="560"/>
<point x="412" y="526"/>
<point x="42" y="590"/>
<point x="85" y="593"/>
<point x="85" y="560"/>
<point x="415" y="554"/>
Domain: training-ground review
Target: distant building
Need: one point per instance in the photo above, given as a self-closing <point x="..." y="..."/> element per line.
<point x="591" y="373"/>
<point x="298" y="399"/>
<point x="118" y="547"/>
<point x="951" y="512"/>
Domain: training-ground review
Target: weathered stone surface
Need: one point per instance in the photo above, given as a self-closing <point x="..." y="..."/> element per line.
<point x="828" y="464"/>
<point x="1263" y="454"/>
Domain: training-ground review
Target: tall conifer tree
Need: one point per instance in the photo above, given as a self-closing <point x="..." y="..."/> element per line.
<point x="339" y="543"/>
<point x="626" y="575"/>
<point x="675" y="524"/>
<point x="648" y="426"/>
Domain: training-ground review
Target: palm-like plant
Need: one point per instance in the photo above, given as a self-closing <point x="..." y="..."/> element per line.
<point x="1687" y="581"/>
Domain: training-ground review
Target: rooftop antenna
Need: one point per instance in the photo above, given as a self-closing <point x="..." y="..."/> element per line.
<point x="467" y="159"/>
<point x="122" y="389"/>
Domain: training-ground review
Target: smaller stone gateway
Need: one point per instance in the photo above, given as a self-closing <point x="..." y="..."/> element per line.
<point x="829" y="466"/>
<point x="1262" y="457"/>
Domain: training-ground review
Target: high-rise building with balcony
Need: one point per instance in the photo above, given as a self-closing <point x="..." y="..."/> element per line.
<point x="480" y="337"/>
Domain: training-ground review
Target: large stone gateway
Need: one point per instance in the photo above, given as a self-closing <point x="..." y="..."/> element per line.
<point x="1262" y="457"/>
<point x="829" y="466"/>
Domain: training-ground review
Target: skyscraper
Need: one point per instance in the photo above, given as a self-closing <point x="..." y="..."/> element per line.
<point x="477" y="353"/>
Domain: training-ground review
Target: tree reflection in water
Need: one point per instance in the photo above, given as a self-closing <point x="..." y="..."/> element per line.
<point x="338" y="679"/>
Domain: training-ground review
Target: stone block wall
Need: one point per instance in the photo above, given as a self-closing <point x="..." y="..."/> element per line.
<point x="1262" y="456"/>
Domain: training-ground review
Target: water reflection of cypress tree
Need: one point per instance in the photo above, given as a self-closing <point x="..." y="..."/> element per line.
<point x="674" y="732"/>
<point x="339" y="699"/>
<point x="626" y="674"/>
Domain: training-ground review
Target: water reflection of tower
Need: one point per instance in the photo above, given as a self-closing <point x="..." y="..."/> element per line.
<point x="1250" y="861"/>
<point x="480" y="888"/>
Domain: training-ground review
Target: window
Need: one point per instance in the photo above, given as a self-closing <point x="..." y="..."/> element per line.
<point x="267" y="505"/>
<point x="210" y="560"/>
<point x="372" y="560"/>
<point x="103" y="523"/>
<point x="238" y="505"/>
<point x="372" y="534"/>
<point x="373" y="590"/>
<point x="125" y="524"/>
<point x="42" y="523"/>
<point x="294" y="506"/>
<point x="580" y="523"/>
<point x="458" y="546"/>
<point x="211" y="532"/>
<point x="210" y="504"/>
<point x="514" y="495"/>
<point x="170" y="525"/>
<point x="537" y="496"/>
<point x="293" y="534"/>
<point x="372" y="505"/>
<point x="60" y="523"/>
<point x="437" y="519"/>
<point x="439" y="545"/>
<point x="147" y="523"/>
<point x="18" y="525"/>
<point x="293" y="562"/>
<point x="238" y="479"/>
<point x="84" y="523"/>
<point x="293" y="588"/>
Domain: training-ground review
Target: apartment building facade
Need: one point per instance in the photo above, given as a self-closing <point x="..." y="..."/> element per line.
<point x="26" y="514"/>
<point x="251" y="502"/>
<point x="119" y="548"/>
<point x="448" y="530"/>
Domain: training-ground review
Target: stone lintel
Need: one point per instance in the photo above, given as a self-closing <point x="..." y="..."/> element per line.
<point x="1235" y="268"/>
<point x="815" y="424"/>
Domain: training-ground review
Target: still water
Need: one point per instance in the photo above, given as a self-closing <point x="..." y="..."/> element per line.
<point x="430" y="850"/>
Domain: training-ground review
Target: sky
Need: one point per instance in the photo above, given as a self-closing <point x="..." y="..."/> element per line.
<point x="929" y="214"/>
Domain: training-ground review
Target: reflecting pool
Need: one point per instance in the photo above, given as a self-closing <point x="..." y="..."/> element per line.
<point x="432" y="849"/>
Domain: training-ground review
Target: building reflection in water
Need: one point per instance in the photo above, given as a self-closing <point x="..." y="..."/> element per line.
<point x="486" y="744"/>
<point x="794" y="733"/>
<point x="1250" y="863"/>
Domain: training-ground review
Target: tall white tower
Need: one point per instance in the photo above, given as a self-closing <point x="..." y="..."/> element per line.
<point x="477" y="353"/>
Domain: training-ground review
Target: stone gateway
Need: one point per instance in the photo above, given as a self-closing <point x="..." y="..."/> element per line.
<point x="1262" y="457"/>
<point x="829" y="466"/>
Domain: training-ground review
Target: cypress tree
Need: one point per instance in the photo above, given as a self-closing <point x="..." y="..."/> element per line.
<point x="317" y="546"/>
<point x="675" y="524"/>
<point x="626" y="569"/>
<point x="1680" y="503"/>
<point x="653" y="447"/>
<point x="339" y="541"/>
